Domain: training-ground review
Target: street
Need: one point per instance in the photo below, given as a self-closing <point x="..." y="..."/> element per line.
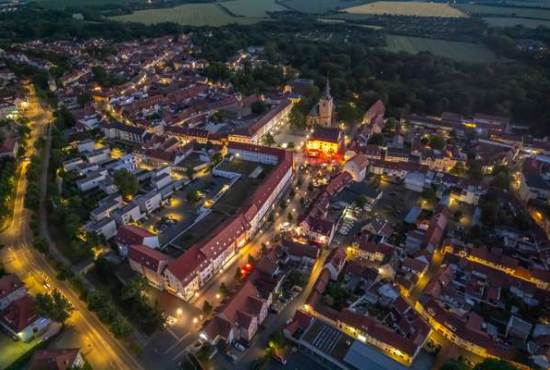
<point x="19" y="257"/>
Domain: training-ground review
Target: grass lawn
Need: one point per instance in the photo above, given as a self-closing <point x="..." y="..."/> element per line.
<point x="503" y="10"/>
<point x="415" y="9"/>
<point x="512" y="22"/>
<point x="57" y="4"/>
<point x="204" y="14"/>
<point x="319" y="6"/>
<point x="459" y="51"/>
<point x="252" y="8"/>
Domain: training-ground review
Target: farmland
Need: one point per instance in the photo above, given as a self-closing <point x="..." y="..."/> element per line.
<point x="459" y="51"/>
<point x="416" y="9"/>
<point x="504" y="11"/>
<point x="318" y="6"/>
<point x="57" y="4"/>
<point x="511" y="22"/>
<point x="187" y="14"/>
<point x="252" y="8"/>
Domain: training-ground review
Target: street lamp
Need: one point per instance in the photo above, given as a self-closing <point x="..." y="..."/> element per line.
<point x="179" y="311"/>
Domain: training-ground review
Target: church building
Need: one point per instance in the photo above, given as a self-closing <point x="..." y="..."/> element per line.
<point x="322" y="113"/>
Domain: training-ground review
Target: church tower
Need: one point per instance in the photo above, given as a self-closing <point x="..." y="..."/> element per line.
<point x="326" y="107"/>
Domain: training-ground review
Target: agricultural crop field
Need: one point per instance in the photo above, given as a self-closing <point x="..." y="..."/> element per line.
<point x="415" y="9"/>
<point x="58" y="4"/>
<point x="511" y="22"/>
<point x="459" y="51"/>
<point x="252" y="8"/>
<point x="318" y="6"/>
<point x="187" y="14"/>
<point x="502" y="10"/>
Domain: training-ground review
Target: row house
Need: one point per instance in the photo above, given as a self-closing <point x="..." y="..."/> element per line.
<point x="368" y="330"/>
<point x="149" y="262"/>
<point x="105" y="227"/>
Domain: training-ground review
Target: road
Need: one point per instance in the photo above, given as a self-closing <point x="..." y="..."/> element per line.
<point x="102" y="350"/>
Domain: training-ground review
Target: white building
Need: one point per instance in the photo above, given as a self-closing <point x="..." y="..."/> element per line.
<point x="91" y="181"/>
<point x="127" y="214"/>
<point x="149" y="202"/>
<point x="357" y="167"/>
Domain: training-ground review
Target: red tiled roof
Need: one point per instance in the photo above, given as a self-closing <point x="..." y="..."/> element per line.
<point x="361" y="160"/>
<point x="414" y="264"/>
<point x="328" y="134"/>
<point x="147" y="257"/>
<point x="52" y="359"/>
<point x="19" y="314"/>
<point x="502" y="260"/>
<point x="8" y="145"/>
<point x="300" y="250"/>
<point x="381" y="333"/>
<point x="8" y="284"/>
<point x="130" y="234"/>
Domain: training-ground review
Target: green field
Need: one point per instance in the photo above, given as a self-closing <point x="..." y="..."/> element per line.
<point x="252" y="8"/>
<point x="459" y="51"/>
<point x="187" y="14"/>
<point x="511" y="22"/>
<point x="407" y="8"/>
<point x="502" y="10"/>
<point x="319" y="6"/>
<point x="65" y="3"/>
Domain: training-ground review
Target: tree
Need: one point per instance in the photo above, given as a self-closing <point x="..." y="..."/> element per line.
<point x="475" y="171"/>
<point x="455" y="364"/>
<point x="297" y="120"/>
<point x="458" y="169"/>
<point x="277" y="340"/>
<point x="207" y="308"/>
<point x="291" y="145"/>
<point x="190" y="172"/>
<point x="223" y="290"/>
<point x="41" y="244"/>
<point x="492" y="364"/>
<point x="54" y="306"/>
<point x="501" y="177"/>
<point x="193" y="196"/>
<point x="437" y="142"/>
<point x="428" y="193"/>
<point x="126" y="182"/>
<point x="120" y="327"/>
<point x="258" y="107"/>
<point x="361" y="201"/>
<point x="269" y="140"/>
<point x="84" y="99"/>
<point x="376" y="139"/>
<point x="136" y="288"/>
<point x="289" y="217"/>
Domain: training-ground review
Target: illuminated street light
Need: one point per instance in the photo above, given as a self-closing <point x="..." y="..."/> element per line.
<point x="179" y="311"/>
<point x="218" y="296"/>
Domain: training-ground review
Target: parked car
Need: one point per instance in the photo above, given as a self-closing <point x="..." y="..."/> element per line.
<point x="279" y="358"/>
<point x="239" y="347"/>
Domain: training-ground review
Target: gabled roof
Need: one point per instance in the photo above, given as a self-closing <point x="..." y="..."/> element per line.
<point x="130" y="234"/>
<point x="52" y="359"/>
<point x="147" y="257"/>
<point x="9" y="284"/>
<point x="19" y="314"/>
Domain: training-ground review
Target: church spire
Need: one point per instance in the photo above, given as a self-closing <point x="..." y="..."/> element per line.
<point x="326" y="95"/>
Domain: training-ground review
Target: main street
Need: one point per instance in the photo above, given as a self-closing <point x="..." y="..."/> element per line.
<point x="102" y="350"/>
